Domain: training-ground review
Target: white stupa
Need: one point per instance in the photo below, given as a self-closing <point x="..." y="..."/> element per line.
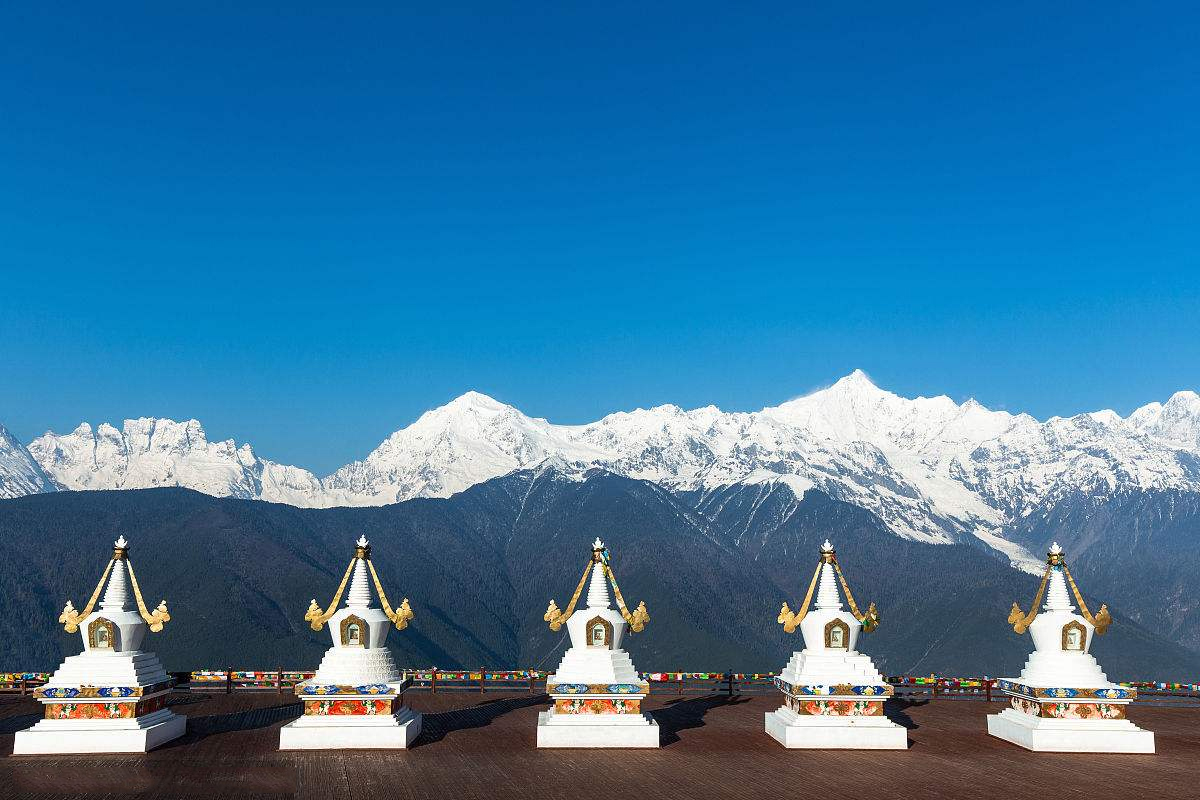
<point x="1063" y="701"/>
<point x="596" y="690"/>
<point x="112" y="697"/>
<point x="833" y="695"/>
<point x="354" y="700"/>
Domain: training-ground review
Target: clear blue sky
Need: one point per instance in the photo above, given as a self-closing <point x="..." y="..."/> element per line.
<point x="305" y="227"/>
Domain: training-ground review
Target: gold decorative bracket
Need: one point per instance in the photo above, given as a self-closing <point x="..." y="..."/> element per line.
<point x="554" y="616"/>
<point x="638" y="619"/>
<point x="154" y="620"/>
<point x="314" y="616"/>
<point x="70" y="618"/>
<point x="870" y="620"/>
<point x="401" y="615"/>
<point x="1102" y="619"/>
<point x="1019" y="619"/>
<point x="790" y="620"/>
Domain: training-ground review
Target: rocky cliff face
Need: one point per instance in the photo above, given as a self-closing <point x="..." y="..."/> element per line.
<point x="20" y="474"/>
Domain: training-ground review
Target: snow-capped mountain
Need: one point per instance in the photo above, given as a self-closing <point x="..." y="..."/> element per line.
<point x="931" y="469"/>
<point x="471" y="439"/>
<point x="20" y="474"/>
<point x="148" y="452"/>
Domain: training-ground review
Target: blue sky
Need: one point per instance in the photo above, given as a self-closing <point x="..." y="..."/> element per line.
<point x="305" y="227"/>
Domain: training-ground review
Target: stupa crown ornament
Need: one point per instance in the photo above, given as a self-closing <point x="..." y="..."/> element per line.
<point x="597" y="593"/>
<point x="115" y="596"/>
<point x="360" y="593"/>
<point x="827" y="598"/>
<point x="1057" y="600"/>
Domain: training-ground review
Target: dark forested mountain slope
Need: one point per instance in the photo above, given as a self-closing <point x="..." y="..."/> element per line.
<point x="480" y="567"/>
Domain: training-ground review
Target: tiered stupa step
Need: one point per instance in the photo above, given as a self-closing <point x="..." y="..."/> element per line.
<point x="355" y="700"/>
<point x="597" y="692"/>
<point x="833" y="695"/>
<point x="112" y="697"/>
<point x="1063" y="701"/>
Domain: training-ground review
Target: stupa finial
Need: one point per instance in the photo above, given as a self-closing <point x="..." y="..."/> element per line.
<point x="115" y="595"/>
<point x="790" y="620"/>
<point x="637" y="619"/>
<point x="360" y="592"/>
<point x="1056" y="562"/>
<point x="362" y="548"/>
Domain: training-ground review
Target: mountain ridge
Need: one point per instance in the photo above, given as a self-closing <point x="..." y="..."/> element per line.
<point x="712" y="565"/>
<point x="932" y="469"/>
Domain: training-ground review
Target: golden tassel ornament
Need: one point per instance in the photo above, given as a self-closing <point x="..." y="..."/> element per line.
<point x="314" y="616"/>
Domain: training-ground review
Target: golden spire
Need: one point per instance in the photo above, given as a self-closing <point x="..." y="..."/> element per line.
<point x="362" y="550"/>
<point x="790" y="620"/>
<point x="637" y="619"/>
<point x="70" y="618"/>
<point x="1056" y="560"/>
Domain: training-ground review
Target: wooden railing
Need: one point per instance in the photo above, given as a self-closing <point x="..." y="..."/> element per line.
<point x="21" y="682"/>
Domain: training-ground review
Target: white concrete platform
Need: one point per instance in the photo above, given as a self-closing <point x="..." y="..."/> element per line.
<point x="580" y="730"/>
<point x="834" y="733"/>
<point x="1069" y="735"/>
<point x="62" y="736"/>
<point x="387" y="732"/>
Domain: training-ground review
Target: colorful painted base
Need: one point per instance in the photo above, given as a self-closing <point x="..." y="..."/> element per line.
<point x="839" y="716"/>
<point x="336" y="717"/>
<point x="1069" y="720"/>
<point x="95" y="734"/>
<point x="388" y="731"/>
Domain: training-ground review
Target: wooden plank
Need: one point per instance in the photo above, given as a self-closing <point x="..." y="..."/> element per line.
<point x="482" y="747"/>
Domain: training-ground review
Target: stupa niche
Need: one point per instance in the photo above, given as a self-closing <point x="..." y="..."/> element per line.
<point x="355" y="698"/>
<point x="1062" y="701"/>
<point x="112" y="697"/>
<point x="596" y="690"/>
<point x="833" y="695"/>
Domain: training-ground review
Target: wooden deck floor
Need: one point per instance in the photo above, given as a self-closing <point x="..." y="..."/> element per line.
<point x="477" y="746"/>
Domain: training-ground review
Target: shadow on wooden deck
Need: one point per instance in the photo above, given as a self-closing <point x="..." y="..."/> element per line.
<point x="680" y="715"/>
<point x="436" y="725"/>
<point x="896" y="709"/>
<point x="201" y="727"/>
<point x="18" y="723"/>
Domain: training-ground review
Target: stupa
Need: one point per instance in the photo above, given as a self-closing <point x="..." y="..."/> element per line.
<point x="355" y="698"/>
<point x="833" y="695"/>
<point x="112" y="697"/>
<point x="1063" y="701"/>
<point x="596" y="690"/>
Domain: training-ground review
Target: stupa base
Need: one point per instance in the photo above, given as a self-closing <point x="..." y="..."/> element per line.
<point x="374" y="732"/>
<point x="796" y="731"/>
<point x="137" y="735"/>
<point x="1069" y="735"/>
<point x="608" y="730"/>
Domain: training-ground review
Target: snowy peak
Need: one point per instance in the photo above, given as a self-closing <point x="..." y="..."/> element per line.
<point x="148" y="452"/>
<point x="471" y="439"/>
<point x="1177" y="421"/>
<point x="928" y="467"/>
<point x="855" y="409"/>
<point x="20" y="474"/>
